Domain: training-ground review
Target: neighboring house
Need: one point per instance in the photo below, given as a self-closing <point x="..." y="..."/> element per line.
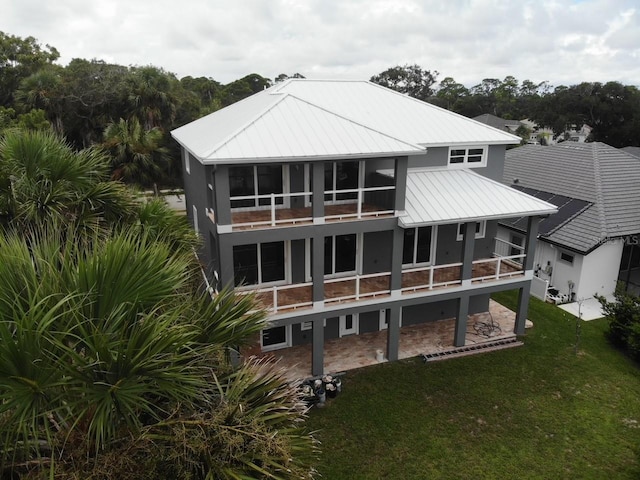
<point x="351" y="208"/>
<point x="539" y="135"/>
<point x="500" y="123"/>
<point x="593" y="239"/>
<point x="635" y="151"/>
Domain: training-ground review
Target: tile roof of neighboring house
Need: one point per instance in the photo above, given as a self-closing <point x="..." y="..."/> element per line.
<point x="606" y="177"/>
<point x="439" y="196"/>
<point x="497" y="122"/>
<point x="321" y="119"/>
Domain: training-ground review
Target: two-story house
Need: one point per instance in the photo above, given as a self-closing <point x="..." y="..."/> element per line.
<point x="351" y="208"/>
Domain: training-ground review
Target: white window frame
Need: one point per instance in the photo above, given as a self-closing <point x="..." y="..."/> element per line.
<point x="334" y="167"/>
<point x="287" y="268"/>
<point x="256" y="201"/>
<point x="465" y="157"/>
<point x="276" y="346"/>
<point x="343" y="331"/>
<point x="196" y="227"/>
<point x="568" y="262"/>
<point x="432" y="253"/>
<point x="358" y="259"/>
<point x="479" y="234"/>
<point x="383" y="324"/>
<point x="308" y="325"/>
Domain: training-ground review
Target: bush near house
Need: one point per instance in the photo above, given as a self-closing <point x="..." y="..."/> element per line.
<point x="624" y="321"/>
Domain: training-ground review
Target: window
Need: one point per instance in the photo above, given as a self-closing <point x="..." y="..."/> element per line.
<point x="341" y="176"/>
<point x="306" y="325"/>
<point x="195" y="219"/>
<point x="255" y="264"/>
<point x="253" y="180"/>
<point x="340" y="254"/>
<point x="348" y="324"/>
<point x="187" y="164"/>
<point x="566" y="257"/>
<point x="276" y="337"/>
<point x="480" y="230"/>
<point x="468" y="156"/>
<point x="416" y="248"/>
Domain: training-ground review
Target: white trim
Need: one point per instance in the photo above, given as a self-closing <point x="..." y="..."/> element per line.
<point x="195" y="219"/>
<point x="187" y="162"/>
<point x="304" y="326"/>
<point x="465" y="163"/>
<point x="276" y="346"/>
<point x="383" y="324"/>
<point x="358" y="260"/>
<point x="355" y="328"/>
<point x="432" y="252"/>
<point x="479" y="234"/>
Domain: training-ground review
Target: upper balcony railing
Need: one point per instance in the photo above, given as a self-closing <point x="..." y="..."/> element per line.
<point x="278" y="209"/>
<point x="281" y="298"/>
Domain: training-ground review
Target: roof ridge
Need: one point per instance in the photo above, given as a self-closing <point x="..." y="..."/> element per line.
<point x="245" y="126"/>
<point x="411" y="144"/>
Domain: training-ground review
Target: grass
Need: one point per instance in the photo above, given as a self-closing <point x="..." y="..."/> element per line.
<point x="537" y="411"/>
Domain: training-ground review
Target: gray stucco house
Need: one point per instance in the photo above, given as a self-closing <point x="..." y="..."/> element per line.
<point x="351" y="208"/>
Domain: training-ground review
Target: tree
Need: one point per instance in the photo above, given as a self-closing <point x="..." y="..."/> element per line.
<point x="450" y="92"/>
<point x="624" y="321"/>
<point x="43" y="180"/>
<point x="243" y="88"/>
<point x="137" y="155"/>
<point x="411" y="80"/>
<point x="151" y="97"/>
<point x="20" y="58"/>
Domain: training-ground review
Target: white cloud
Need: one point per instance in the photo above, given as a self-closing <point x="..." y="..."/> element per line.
<point x="564" y="42"/>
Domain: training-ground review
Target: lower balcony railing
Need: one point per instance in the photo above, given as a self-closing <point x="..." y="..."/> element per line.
<point x="281" y="298"/>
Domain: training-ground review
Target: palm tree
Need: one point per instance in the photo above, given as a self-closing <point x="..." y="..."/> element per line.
<point x="137" y="154"/>
<point x="43" y="179"/>
<point x="112" y="367"/>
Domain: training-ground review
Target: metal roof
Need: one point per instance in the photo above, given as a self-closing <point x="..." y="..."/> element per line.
<point x="594" y="172"/>
<point x="325" y="119"/>
<point x="440" y="196"/>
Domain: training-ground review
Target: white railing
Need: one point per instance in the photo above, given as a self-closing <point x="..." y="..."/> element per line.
<point x="275" y="290"/>
<point x="431" y="284"/>
<point x="502" y="248"/>
<point x="272" y="207"/>
<point x="357" y="294"/>
<point x="359" y="201"/>
<point x="516" y="263"/>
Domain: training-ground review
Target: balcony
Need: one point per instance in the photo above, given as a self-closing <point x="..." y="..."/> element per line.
<point x="287" y="209"/>
<point x="353" y="288"/>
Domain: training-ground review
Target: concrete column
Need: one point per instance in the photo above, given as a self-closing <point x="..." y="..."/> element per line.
<point x="317" y="268"/>
<point x="461" y="321"/>
<point x="317" y="198"/>
<point x="396" y="259"/>
<point x="317" y="348"/>
<point x="393" y="333"/>
<point x="226" y="261"/>
<point x="221" y="192"/>
<point x="400" y="178"/>
<point x="468" y="241"/>
<point x="530" y="242"/>
<point x="522" y="310"/>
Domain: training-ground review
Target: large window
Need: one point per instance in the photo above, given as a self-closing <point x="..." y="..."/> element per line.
<point x="253" y="180"/>
<point x="468" y="156"/>
<point x="275" y="337"/>
<point x="416" y="248"/>
<point x="259" y="263"/>
<point x="340" y="253"/>
<point x="341" y="176"/>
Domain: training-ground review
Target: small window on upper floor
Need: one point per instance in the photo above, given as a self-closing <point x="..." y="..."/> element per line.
<point x="187" y="165"/>
<point x="468" y="156"/>
<point x="481" y="228"/>
<point x="566" y="257"/>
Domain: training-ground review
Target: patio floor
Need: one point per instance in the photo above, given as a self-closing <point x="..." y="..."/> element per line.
<point x="356" y="351"/>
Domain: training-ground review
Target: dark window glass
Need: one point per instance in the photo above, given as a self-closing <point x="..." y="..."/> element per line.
<point x="475" y="155"/>
<point x="328" y="255"/>
<point x="345" y="253"/>
<point x="269" y="181"/>
<point x="347" y="179"/>
<point x="423" y="252"/>
<point x="245" y="264"/>
<point x="241" y="184"/>
<point x="457" y="156"/>
<point x="328" y="181"/>
<point x="348" y="322"/>
<point x="274" y="336"/>
<point x="272" y="259"/>
<point x="566" y="257"/>
<point x="407" y="246"/>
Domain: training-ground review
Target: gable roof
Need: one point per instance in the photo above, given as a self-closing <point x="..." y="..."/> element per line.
<point x="606" y="177"/>
<point x="441" y="196"/>
<point x="320" y="119"/>
<point x="498" y="122"/>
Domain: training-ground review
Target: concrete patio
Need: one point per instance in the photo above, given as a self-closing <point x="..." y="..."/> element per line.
<point x="356" y="351"/>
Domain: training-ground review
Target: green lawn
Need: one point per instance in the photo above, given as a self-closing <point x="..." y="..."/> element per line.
<point x="537" y="411"/>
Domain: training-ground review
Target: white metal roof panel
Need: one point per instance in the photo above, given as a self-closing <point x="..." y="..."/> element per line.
<point x="439" y="196"/>
<point x="293" y="128"/>
<point x="398" y="115"/>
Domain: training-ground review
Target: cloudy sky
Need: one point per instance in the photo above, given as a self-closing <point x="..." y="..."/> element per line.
<point x="563" y="42"/>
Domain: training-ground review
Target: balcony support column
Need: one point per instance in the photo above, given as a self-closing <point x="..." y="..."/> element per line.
<point x="461" y="321"/>
<point x="222" y="194"/>
<point x="396" y="259"/>
<point x="317" y="269"/>
<point x="400" y="179"/>
<point x="530" y="243"/>
<point x="317" y="189"/>
<point x="468" y="241"/>
<point x="522" y="310"/>
<point x="393" y="333"/>
<point x="226" y="263"/>
<point x="317" y="348"/>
